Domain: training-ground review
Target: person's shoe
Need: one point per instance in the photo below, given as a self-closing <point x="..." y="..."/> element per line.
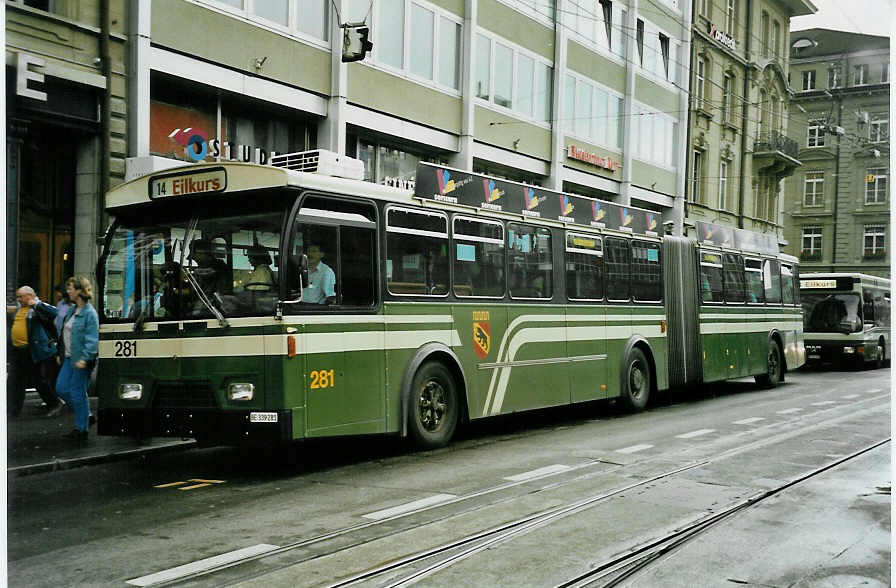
<point x="91" y="420"/>
<point x="56" y="410"/>
<point x="76" y="435"/>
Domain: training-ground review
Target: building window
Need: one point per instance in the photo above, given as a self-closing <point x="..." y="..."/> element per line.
<point x="429" y="49"/>
<point x="498" y="65"/>
<point x="879" y="130"/>
<point x="815" y="133"/>
<point x="811" y="248"/>
<point x="653" y="136"/>
<point x="808" y="80"/>
<point x="390" y="165"/>
<point x="776" y="38"/>
<point x="308" y="18"/>
<point x="640" y="41"/>
<point x="696" y="175"/>
<point x="875" y="241"/>
<point x="885" y="72"/>
<point x="876" y="186"/>
<point x="700" y="82"/>
<point x="764" y="32"/>
<point x="726" y="98"/>
<point x="664" y="50"/>
<point x="860" y="75"/>
<point x="813" y="190"/>
<point x="730" y="11"/>
<point x="834" y="77"/>
<point x="592" y="113"/>
<point x="723" y="185"/>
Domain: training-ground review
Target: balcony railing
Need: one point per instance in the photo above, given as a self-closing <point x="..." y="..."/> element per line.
<point x="775" y="141"/>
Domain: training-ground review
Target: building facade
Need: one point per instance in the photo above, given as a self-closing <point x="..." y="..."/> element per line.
<point x="836" y="210"/>
<point x="66" y="134"/>
<point x="584" y="96"/>
<point x="738" y="149"/>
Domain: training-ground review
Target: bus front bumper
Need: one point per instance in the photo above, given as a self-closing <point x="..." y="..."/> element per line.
<point x="828" y="352"/>
<point x="202" y="424"/>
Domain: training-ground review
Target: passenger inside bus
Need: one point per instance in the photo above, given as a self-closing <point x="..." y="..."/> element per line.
<point x="261" y="278"/>
<point x="321" y="278"/>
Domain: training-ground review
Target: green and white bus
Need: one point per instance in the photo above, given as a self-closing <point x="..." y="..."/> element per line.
<point x="243" y="302"/>
<point x="846" y="318"/>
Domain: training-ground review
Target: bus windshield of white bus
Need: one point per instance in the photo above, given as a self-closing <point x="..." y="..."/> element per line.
<point x="831" y="313"/>
<point x="199" y="267"/>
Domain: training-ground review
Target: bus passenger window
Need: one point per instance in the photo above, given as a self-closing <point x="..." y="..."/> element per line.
<point x="647" y="272"/>
<point x="711" y="289"/>
<point x="618" y="271"/>
<point x="416" y="252"/>
<point x="478" y="258"/>
<point x="530" y="273"/>
<point x="733" y="266"/>
<point x="771" y="280"/>
<point x="753" y="275"/>
<point x="584" y="267"/>
<point x="787" y="284"/>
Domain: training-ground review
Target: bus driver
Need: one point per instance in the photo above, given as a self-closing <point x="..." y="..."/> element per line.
<point x="321" y="279"/>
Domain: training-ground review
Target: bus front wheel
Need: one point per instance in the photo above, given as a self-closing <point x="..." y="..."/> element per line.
<point x="433" y="406"/>
<point x="636" y="382"/>
<point x="773" y="367"/>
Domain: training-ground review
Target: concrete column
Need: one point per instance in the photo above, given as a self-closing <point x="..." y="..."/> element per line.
<point x="331" y="132"/>
<point x="463" y="159"/>
<point x="631" y="65"/>
<point x="87" y="200"/>
<point x="555" y="180"/>
<point x="139" y="20"/>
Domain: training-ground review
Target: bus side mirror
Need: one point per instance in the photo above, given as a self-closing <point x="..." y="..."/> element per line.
<point x="304" y="270"/>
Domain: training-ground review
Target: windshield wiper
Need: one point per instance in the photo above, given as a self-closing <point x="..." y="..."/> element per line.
<point x="203" y="297"/>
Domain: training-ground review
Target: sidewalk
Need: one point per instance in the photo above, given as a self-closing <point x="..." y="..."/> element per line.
<point x="35" y="444"/>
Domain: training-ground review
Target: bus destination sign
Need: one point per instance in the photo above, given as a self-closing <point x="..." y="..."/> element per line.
<point x="187" y="183"/>
<point x="818" y="284"/>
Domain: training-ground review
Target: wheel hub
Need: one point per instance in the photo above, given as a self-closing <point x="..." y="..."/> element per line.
<point x="432" y="405"/>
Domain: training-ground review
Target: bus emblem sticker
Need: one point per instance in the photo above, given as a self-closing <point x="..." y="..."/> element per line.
<point x="481" y="333"/>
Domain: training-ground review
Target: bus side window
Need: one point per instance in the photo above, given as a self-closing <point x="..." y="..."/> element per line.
<point x="753" y="276"/>
<point x="711" y="277"/>
<point x="647" y="272"/>
<point x="881" y="311"/>
<point x="771" y="280"/>
<point x="416" y="252"/>
<point x="796" y="282"/>
<point x="584" y="267"/>
<point x="618" y="259"/>
<point x="733" y="266"/>
<point x="787" y="284"/>
<point x="478" y="257"/>
<point x="530" y="273"/>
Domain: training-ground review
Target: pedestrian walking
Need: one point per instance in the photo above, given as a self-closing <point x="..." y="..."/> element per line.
<point x="31" y="342"/>
<point x="77" y="354"/>
<point x="61" y="308"/>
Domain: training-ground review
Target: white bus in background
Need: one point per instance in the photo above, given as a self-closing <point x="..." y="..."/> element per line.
<point x="846" y="318"/>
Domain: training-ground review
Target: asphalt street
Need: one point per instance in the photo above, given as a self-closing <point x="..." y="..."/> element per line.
<point x="318" y="513"/>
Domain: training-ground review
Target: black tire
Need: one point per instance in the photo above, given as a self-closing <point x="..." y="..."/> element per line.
<point x="433" y="406"/>
<point x="636" y="380"/>
<point x="773" y="367"/>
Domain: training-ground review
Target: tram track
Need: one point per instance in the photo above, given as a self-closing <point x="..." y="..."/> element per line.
<point x="443" y="556"/>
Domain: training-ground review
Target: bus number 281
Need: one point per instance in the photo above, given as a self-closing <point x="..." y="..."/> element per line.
<point x="125" y="349"/>
<point x="323" y="379"/>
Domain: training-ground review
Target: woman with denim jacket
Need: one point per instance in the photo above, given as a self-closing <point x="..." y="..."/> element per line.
<point x="78" y="346"/>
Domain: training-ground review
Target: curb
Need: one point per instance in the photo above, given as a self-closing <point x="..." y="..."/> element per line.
<point x="66" y="464"/>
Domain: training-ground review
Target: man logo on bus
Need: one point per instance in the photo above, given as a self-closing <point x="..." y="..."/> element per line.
<point x="193" y="141"/>
<point x="625" y="217"/>
<point x="481" y="338"/>
<point x="446" y="184"/>
<point x="492" y="192"/>
<point x="651" y="221"/>
<point x="566" y="205"/>
<point x="597" y="212"/>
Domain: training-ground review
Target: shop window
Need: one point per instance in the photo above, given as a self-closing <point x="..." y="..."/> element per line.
<point x="530" y="266"/>
<point x="584" y="267"/>
<point x="385" y="164"/>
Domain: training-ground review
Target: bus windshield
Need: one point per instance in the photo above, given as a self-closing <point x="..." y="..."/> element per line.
<point x="831" y="313"/>
<point x="207" y="265"/>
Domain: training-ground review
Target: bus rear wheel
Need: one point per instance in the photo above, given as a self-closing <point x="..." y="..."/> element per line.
<point x="773" y="367"/>
<point x="433" y="406"/>
<point x="636" y="383"/>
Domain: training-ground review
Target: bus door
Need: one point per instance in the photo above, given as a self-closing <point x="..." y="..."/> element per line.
<point x="343" y="340"/>
<point x="714" y="326"/>
<point x="586" y="317"/>
<point x="617" y="260"/>
<point x="738" y="353"/>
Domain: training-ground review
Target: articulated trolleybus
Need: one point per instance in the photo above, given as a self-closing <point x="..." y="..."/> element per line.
<point x="846" y="318"/>
<point x="245" y="302"/>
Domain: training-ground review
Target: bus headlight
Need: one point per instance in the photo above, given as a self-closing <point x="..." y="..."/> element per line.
<point x="130" y="391"/>
<point x="241" y="391"/>
<point x="849" y="350"/>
